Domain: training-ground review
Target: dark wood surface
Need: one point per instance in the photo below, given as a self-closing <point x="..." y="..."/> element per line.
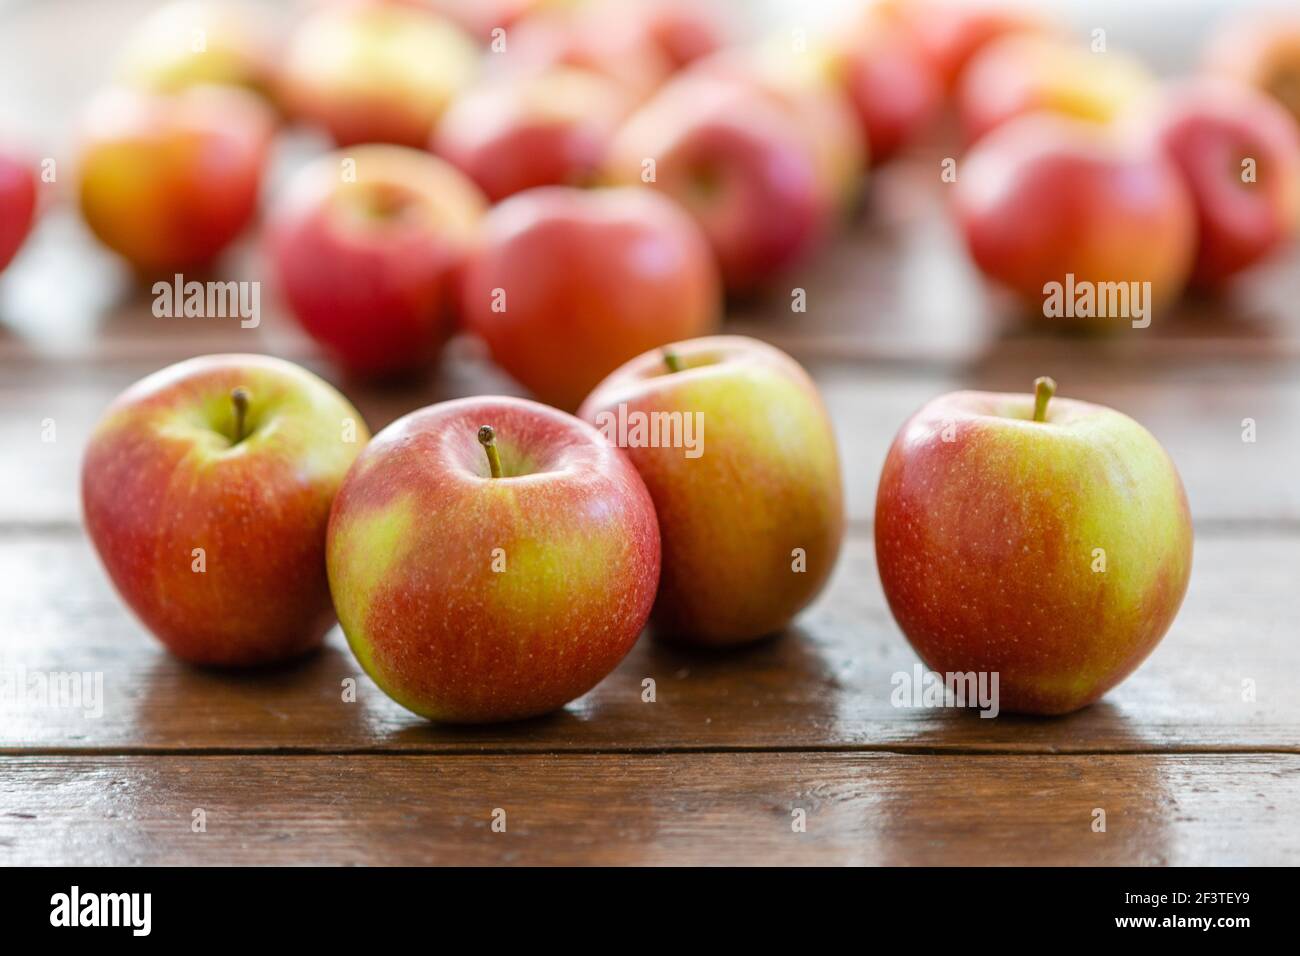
<point x="1188" y="766"/>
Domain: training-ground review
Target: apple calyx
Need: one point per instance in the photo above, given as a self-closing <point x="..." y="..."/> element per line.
<point x="671" y="361"/>
<point x="487" y="437"/>
<point x="1044" y="389"/>
<point x="240" y="397"/>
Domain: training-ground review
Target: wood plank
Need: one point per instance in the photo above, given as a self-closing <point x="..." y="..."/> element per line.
<point x="826" y="683"/>
<point x="734" y="809"/>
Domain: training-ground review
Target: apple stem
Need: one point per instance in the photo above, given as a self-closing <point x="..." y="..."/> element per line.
<point x="239" y="396"/>
<point x="487" y="437"/>
<point x="671" y="360"/>
<point x="1044" y="389"/>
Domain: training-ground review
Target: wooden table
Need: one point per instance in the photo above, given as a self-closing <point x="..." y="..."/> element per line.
<point x="1194" y="759"/>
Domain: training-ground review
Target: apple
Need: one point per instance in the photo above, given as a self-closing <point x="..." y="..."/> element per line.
<point x="1049" y="201"/>
<point x="1239" y="152"/>
<point x="1049" y="543"/>
<point x="197" y="42"/>
<point x="1022" y="73"/>
<point x="206" y="490"/>
<point x="367" y="247"/>
<point x="376" y="72"/>
<point x="169" y="181"/>
<point x="568" y="284"/>
<point x="742" y="163"/>
<point x="684" y="31"/>
<point x="524" y="131"/>
<point x="17" y="203"/>
<point x="746" y="484"/>
<point x="491" y="559"/>
<point x="1262" y="50"/>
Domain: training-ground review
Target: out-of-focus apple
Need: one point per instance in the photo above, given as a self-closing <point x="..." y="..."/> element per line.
<point x="168" y="181"/>
<point x="491" y="559"/>
<point x="1054" y="205"/>
<point x="17" y="203"/>
<point x="207" y="489"/>
<point x="376" y="72"/>
<point x="1262" y="50"/>
<point x="1023" y="73"/>
<point x="1239" y="152"/>
<point x="367" y="247"/>
<point x="746" y="483"/>
<point x="1049" y="544"/>
<point x="522" y="131"/>
<point x="570" y="283"/>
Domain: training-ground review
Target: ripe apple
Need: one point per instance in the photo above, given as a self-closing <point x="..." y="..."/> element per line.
<point x="168" y="181"/>
<point x="569" y="284"/>
<point x="1048" y="543"/>
<point x="367" y="246"/>
<point x="491" y="559"/>
<point x="684" y="31"/>
<point x="524" y="131"/>
<point x="197" y="42"/>
<point x="1049" y="200"/>
<point x="207" y="489"/>
<point x="376" y="72"/>
<point x="1022" y="73"/>
<point x="742" y="163"/>
<point x="1239" y="152"/>
<point x="1262" y="50"/>
<point x="17" y="203"/>
<point x="747" y="488"/>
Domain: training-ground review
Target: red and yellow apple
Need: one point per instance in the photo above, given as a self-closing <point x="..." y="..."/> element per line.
<point x="376" y="72"/>
<point x="738" y="453"/>
<point x="169" y="181"/>
<point x="1049" y="200"/>
<point x="367" y="247"/>
<point x="1047" y="542"/>
<point x="1261" y="49"/>
<point x="569" y="284"/>
<point x="206" y="490"/>
<point x="1239" y="153"/>
<point x="17" y="203"/>
<point x="491" y="559"/>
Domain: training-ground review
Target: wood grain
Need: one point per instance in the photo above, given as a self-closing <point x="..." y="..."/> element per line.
<point x="732" y="809"/>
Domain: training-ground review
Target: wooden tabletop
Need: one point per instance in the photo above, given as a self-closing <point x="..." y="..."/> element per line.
<point x="785" y="752"/>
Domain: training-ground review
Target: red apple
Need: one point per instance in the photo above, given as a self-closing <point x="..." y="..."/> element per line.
<point x="491" y="559"/>
<point x="1239" y="152"/>
<point x="168" y="182"/>
<point x="742" y="163"/>
<point x="17" y="203"/>
<point x="569" y="284"/>
<point x="376" y="72"/>
<point x="1049" y="544"/>
<point x="524" y="131"/>
<point x="367" y="247"/>
<point x="682" y="30"/>
<point x="1048" y="203"/>
<point x="736" y="448"/>
<point x="1261" y="49"/>
<point x="207" y="489"/>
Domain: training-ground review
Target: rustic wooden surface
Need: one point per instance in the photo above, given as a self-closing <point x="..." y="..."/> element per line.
<point x="1187" y="767"/>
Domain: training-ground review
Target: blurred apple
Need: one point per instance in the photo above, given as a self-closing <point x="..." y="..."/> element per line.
<point x="521" y="131"/>
<point x="17" y="203"/>
<point x="570" y="283"/>
<point x="1261" y="49"/>
<point x="168" y="181"/>
<point x="1239" y="152"/>
<point x="367" y="246"/>
<point x="376" y="72"/>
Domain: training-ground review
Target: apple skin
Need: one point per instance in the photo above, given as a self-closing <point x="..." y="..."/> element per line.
<point x="1207" y="129"/>
<point x="767" y="482"/>
<point x="1043" y="196"/>
<point x="590" y="279"/>
<point x="985" y="544"/>
<point x="1262" y="50"/>
<point x="161" y="477"/>
<point x="415" y="534"/>
<point x="1023" y="73"/>
<point x="168" y="182"/>
<point x="525" y="131"/>
<point x="17" y="204"/>
<point x="371" y="268"/>
<point x="375" y="72"/>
